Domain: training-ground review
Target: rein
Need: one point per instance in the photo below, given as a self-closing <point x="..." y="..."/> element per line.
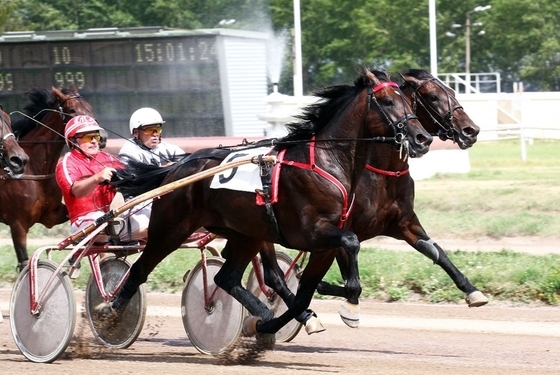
<point x="27" y="177"/>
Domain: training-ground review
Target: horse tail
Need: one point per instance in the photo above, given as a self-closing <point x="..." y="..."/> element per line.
<point x="137" y="177"/>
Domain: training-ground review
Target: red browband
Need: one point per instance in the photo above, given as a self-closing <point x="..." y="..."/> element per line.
<point x="383" y="85"/>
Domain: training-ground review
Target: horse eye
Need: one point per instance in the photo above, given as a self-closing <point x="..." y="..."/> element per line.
<point x="388" y="102"/>
<point x="433" y="97"/>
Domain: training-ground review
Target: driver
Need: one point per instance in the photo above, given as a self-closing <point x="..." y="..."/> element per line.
<point x="83" y="171"/>
<point x="146" y="145"/>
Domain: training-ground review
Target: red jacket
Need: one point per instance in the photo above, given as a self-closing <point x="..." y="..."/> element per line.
<point x="75" y="166"/>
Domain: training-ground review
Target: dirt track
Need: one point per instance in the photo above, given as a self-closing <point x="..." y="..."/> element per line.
<point x="398" y="338"/>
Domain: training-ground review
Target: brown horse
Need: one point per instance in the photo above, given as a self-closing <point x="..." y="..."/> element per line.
<point x="321" y="161"/>
<point x="438" y="109"/>
<point x="34" y="197"/>
<point x="385" y="196"/>
<point x="12" y="157"/>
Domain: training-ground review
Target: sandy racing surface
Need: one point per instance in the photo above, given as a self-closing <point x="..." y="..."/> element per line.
<point x="393" y="338"/>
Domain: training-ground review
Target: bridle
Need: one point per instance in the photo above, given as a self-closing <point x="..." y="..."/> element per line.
<point x="65" y="116"/>
<point x="5" y="133"/>
<point x="399" y="126"/>
<point x="444" y="122"/>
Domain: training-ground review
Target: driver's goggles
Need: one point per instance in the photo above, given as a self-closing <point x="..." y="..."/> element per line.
<point x="89" y="137"/>
<point x="150" y="130"/>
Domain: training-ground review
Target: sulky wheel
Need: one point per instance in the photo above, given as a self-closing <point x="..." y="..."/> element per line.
<point x="290" y="330"/>
<point x="214" y="327"/>
<point x="125" y="330"/>
<point x="44" y="336"/>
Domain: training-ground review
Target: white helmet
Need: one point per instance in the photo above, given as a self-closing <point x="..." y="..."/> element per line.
<point x="144" y="116"/>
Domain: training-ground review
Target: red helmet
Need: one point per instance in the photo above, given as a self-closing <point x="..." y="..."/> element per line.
<point x="80" y="124"/>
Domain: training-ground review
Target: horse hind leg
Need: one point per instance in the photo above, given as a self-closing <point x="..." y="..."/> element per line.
<point x="19" y="239"/>
<point x="433" y="251"/>
<point x="239" y="253"/>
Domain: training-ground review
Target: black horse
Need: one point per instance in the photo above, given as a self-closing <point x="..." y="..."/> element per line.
<point x="321" y="161"/>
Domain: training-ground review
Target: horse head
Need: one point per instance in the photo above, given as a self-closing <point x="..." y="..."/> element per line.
<point x="12" y="156"/>
<point x="387" y="105"/>
<point x="47" y="112"/>
<point x="438" y="108"/>
<point x="70" y="103"/>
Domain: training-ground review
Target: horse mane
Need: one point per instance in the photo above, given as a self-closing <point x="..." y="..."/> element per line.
<point x="418" y="73"/>
<point x="332" y="99"/>
<point x="38" y="99"/>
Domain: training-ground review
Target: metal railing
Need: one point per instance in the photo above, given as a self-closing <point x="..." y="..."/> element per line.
<point x="473" y="83"/>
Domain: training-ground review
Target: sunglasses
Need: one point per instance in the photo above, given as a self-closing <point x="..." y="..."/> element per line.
<point x="90" y="137"/>
<point x="150" y="130"/>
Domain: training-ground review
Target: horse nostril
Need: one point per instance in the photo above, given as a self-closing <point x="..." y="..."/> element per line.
<point x="423" y="140"/>
<point x="17" y="162"/>
<point x="469" y="131"/>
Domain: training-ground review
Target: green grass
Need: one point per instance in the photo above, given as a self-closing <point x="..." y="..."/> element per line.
<point x="502" y="196"/>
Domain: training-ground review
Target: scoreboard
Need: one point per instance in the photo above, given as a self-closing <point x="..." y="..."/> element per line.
<point x="121" y="70"/>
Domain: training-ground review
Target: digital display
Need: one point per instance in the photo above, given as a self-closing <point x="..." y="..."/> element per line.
<point x="177" y="75"/>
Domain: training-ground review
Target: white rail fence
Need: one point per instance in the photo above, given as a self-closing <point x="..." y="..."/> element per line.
<point x="524" y="116"/>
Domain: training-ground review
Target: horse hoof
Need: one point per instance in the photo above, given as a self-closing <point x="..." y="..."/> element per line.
<point x="266" y="341"/>
<point x="476" y="299"/>
<point x="350" y="314"/>
<point x="313" y="325"/>
<point x="104" y="310"/>
<point x="250" y="325"/>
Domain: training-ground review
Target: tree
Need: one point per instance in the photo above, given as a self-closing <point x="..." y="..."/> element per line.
<point x="522" y="39"/>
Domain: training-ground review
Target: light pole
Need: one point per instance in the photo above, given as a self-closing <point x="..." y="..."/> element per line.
<point x="468" y="42"/>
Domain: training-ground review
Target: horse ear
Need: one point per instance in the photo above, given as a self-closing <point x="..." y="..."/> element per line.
<point x="56" y="91"/>
<point x="74" y="89"/>
<point x="414" y="82"/>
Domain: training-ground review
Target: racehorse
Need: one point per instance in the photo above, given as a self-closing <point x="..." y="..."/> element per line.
<point x="34" y="197"/>
<point x="438" y="109"/>
<point x="12" y="157"/>
<point x="385" y="197"/>
<point x="321" y="161"/>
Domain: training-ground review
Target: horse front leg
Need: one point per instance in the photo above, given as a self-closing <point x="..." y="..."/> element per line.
<point x="415" y="235"/>
<point x="347" y="259"/>
<point x="240" y="252"/>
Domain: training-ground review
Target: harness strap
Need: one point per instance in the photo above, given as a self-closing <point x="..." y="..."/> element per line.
<point x="346" y="206"/>
<point x="386" y="173"/>
<point x="265" y="194"/>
